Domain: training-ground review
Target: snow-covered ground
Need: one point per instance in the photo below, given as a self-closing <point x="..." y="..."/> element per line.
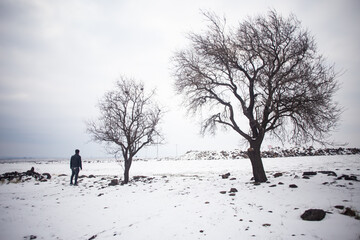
<point x="182" y="199"/>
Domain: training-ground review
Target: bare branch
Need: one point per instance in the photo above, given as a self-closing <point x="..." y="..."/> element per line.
<point x="129" y="119"/>
<point x="268" y="70"/>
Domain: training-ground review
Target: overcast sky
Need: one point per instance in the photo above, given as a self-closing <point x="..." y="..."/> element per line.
<point x="57" y="58"/>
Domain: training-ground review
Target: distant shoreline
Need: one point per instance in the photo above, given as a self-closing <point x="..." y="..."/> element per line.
<point x="206" y="155"/>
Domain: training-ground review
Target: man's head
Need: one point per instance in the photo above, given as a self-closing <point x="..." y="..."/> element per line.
<point x="77" y="151"/>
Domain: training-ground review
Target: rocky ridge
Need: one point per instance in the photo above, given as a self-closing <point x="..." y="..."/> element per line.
<point x="272" y="153"/>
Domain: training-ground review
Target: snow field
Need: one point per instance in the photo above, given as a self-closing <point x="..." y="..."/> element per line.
<point x="182" y="200"/>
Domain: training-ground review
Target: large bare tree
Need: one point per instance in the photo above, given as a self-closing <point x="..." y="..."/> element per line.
<point x="129" y="120"/>
<point x="264" y="76"/>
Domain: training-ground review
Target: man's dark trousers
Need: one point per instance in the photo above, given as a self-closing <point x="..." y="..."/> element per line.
<point x="75" y="172"/>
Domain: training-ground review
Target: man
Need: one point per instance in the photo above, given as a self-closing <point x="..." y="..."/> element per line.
<point x="75" y="165"/>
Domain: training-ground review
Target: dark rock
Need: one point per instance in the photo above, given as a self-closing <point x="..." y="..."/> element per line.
<point x="281" y="183"/>
<point x="274" y="185"/>
<point x="30" y="172"/>
<point x="339" y="207"/>
<point x="329" y="173"/>
<point x="349" y="212"/>
<point x="306" y="177"/>
<point x="225" y="176"/>
<point x="293" y="186"/>
<point x="351" y="178"/>
<point x="309" y="173"/>
<point x="93" y="237"/>
<point x="233" y="190"/>
<point x="232" y="194"/>
<point x="91" y="176"/>
<point x="30" y="237"/>
<point x="347" y="177"/>
<point x="137" y="178"/>
<point x="18" y="177"/>
<point x="222" y="192"/>
<point x="313" y="215"/>
<point x="47" y="175"/>
<point x="278" y="174"/>
<point x="114" y="182"/>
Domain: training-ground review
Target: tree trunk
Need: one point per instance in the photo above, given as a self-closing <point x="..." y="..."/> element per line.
<point x="127" y="170"/>
<point x="256" y="163"/>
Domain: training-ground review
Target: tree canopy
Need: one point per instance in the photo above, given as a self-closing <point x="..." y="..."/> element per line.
<point x="266" y="71"/>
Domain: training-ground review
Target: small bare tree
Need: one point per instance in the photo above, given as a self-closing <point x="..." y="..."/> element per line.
<point x="129" y="120"/>
<point x="266" y="72"/>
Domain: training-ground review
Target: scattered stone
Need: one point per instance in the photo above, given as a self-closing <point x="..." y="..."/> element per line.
<point x="30" y="237"/>
<point x="222" y="192"/>
<point x="47" y="175"/>
<point x="93" y="237"/>
<point x="207" y="202"/>
<point x="306" y="177"/>
<point x="313" y="215"/>
<point x="17" y="177"/>
<point x="233" y="190"/>
<point x="309" y="173"/>
<point x="347" y="177"/>
<point x="257" y="183"/>
<point x="266" y="225"/>
<point x="100" y="194"/>
<point x="232" y="179"/>
<point x="293" y="186"/>
<point x="114" y="182"/>
<point x="201" y="231"/>
<point x="225" y="176"/>
<point x="274" y="185"/>
<point x="232" y="194"/>
<point x="281" y="183"/>
<point x="91" y="176"/>
<point x="279" y="174"/>
<point x="329" y="173"/>
<point x="349" y="212"/>
<point x="137" y="178"/>
<point x="341" y="207"/>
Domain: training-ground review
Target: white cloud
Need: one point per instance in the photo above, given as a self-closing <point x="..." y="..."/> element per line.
<point x="59" y="57"/>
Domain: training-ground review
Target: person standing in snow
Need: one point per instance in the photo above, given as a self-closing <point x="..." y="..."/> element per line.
<point x="75" y="166"/>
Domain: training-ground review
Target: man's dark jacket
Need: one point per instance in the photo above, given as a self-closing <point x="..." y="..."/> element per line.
<point x="75" y="161"/>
